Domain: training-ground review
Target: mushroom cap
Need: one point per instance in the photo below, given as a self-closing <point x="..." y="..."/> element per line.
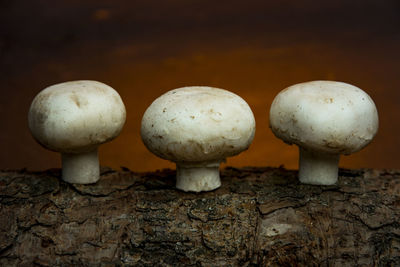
<point x="76" y="116"/>
<point x="198" y="124"/>
<point x="325" y="116"/>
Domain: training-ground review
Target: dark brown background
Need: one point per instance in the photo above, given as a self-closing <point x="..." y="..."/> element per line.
<point x="145" y="48"/>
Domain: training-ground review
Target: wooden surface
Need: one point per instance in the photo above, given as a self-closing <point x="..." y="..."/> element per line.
<point x="260" y="216"/>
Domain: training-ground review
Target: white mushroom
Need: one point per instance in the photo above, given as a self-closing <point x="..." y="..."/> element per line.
<point x="325" y="119"/>
<point x="74" y="118"/>
<point x="197" y="128"/>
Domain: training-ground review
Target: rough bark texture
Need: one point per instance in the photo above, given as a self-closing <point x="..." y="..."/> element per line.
<point x="260" y="216"/>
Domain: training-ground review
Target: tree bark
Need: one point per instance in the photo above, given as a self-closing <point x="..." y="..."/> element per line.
<point x="260" y="216"/>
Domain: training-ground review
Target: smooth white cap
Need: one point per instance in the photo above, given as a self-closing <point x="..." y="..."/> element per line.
<point x="325" y="116"/>
<point x="76" y="116"/>
<point x="198" y="124"/>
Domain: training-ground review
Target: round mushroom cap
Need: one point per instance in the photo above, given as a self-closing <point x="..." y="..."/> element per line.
<point x="76" y="116"/>
<point x="198" y="124"/>
<point x="326" y="116"/>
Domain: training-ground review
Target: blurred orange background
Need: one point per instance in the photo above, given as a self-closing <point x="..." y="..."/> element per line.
<point x="145" y="48"/>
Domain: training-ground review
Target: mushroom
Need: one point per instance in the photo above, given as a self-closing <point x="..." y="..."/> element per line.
<point x="325" y="119"/>
<point x="74" y="118"/>
<point x="197" y="127"/>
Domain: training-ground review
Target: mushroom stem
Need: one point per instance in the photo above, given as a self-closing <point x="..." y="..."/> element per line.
<point x="82" y="168"/>
<point x="318" y="168"/>
<point x="197" y="178"/>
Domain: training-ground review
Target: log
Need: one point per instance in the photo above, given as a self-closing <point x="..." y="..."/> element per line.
<point x="259" y="217"/>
